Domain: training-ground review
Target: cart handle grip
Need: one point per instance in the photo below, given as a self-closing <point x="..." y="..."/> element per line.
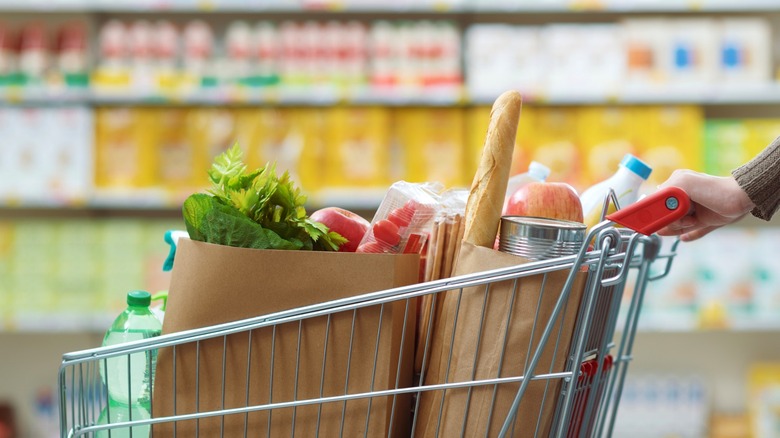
<point x="654" y="212"/>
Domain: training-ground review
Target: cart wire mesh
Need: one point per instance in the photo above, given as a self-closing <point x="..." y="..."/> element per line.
<point x="345" y="367"/>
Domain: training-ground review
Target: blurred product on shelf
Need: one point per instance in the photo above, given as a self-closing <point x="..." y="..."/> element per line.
<point x="72" y="57"/>
<point x="64" y="274"/>
<point x="432" y="144"/>
<point x="663" y="405"/>
<point x="420" y="5"/>
<point x="153" y="157"/>
<point x="46" y="157"/>
<point x="38" y="57"/>
<point x="292" y="6"/>
<point x="555" y="142"/>
<point x="606" y="135"/>
<point x="726" y="141"/>
<point x="33" y="54"/>
<point x="411" y="56"/>
<point x="307" y="60"/>
<point x="123" y="148"/>
<point x="764" y="399"/>
<point x="728" y="282"/>
<point x="633" y="57"/>
<point x="330" y="61"/>
<point x="669" y="138"/>
<point x="357" y="147"/>
<point x="500" y="57"/>
<point x="198" y="47"/>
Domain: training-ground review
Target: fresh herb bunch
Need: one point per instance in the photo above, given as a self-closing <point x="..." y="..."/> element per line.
<point x="258" y="210"/>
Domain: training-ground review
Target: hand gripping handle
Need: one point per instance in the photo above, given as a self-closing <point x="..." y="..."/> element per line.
<point x="654" y="212"/>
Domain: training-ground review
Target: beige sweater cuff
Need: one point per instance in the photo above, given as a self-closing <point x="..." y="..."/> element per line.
<point x="760" y="179"/>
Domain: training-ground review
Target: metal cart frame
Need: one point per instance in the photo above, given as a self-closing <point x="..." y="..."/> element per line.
<point x="586" y="399"/>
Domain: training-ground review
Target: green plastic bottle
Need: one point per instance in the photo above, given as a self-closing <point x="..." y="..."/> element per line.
<point x="119" y="413"/>
<point x="130" y="381"/>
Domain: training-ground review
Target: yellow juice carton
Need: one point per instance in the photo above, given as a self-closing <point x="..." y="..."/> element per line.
<point x="124" y="148"/>
<point x="247" y="133"/>
<point x="761" y="133"/>
<point x="357" y="147"/>
<point x="555" y="144"/>
<point x="176" y="155"/>
<point x="271" y="135"/>
<point x="669" y="138"/>
<point x="309" y="132"/>
<point x="431" y="142"/>
<point x="477" y="121"/>
<point x="605" y="138"/>
<point x="211" y="132"/>
<point x="725" y="146"/>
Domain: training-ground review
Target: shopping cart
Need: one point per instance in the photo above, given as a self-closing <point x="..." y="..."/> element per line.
<point x="578" y="400"/>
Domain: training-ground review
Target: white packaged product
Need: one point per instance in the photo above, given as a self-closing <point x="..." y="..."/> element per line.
<point x="745" y="51"/>
<point x="582" y="61"/>
<point x="646" y="42"/>
<point x="692" y="57"/>
<point x="500" y="57"/>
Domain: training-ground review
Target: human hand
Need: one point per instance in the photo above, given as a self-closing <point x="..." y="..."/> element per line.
<point x="716" y="201"/>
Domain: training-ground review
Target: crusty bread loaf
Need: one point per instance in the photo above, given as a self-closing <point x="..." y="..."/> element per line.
<point x="486" y="198"/>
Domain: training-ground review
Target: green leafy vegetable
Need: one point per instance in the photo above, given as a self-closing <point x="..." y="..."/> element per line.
<point x="258" y="209"/>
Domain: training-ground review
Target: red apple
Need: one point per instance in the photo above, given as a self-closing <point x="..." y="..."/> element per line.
<point x="554" y="200"/>
<point x="350" y="225"/>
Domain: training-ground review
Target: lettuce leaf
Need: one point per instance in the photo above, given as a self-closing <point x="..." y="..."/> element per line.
<point x="254" y="210"/>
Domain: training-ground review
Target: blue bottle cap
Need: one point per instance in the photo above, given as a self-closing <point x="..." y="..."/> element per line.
<point x="636" y="165"/>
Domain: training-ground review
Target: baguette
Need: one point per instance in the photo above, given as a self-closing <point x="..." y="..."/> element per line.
<point x="486" y="197"/>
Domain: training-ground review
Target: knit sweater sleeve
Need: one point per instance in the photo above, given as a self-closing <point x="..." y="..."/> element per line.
<point x="760" y="179"/>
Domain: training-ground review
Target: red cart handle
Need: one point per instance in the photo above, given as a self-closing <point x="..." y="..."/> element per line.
<point x="654" y="212"/>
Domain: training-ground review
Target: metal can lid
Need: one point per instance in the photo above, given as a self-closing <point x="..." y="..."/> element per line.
<point x="554" y="230"/>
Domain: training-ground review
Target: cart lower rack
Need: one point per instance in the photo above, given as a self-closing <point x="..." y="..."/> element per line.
<point x="530" y="350"/>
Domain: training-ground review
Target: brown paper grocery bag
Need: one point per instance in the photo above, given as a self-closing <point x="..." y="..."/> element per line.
<point x="213" y="284"/>
<point x="452" y="359"/>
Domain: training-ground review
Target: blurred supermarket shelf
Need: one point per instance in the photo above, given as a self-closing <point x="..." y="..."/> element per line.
<point x="375" y="6"/>
<point x="59" y="323"/>
<point x="716" y="95"/>
<point x="157" y="199"/>
<point x="234" y="97"/>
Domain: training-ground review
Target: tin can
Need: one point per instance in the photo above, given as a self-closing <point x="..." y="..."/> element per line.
<point x="537" y="238"/>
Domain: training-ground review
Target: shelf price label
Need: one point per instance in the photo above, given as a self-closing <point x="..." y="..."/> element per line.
<point x="696" y="5"/>
<point x="14" y="95"/>
<point x="206" y="5"/>
<point x="441" y="6"/>
<point x="586" y="5"/>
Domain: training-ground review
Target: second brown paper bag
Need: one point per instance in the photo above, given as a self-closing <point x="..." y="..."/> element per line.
<point x="475" y="350"/>
<point x="348" y="352"/>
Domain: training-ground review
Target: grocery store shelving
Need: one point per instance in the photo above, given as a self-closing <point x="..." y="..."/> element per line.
<point x="432" y="7"/>
<point x="763" y="94"/>
<point x="161" y="202"/>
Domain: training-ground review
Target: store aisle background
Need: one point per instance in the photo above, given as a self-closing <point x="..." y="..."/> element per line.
<point x="110" y="112"/>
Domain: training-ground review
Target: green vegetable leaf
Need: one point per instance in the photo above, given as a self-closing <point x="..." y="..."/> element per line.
<point x="209" y="220"/>
<point x="258" y="209"/>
